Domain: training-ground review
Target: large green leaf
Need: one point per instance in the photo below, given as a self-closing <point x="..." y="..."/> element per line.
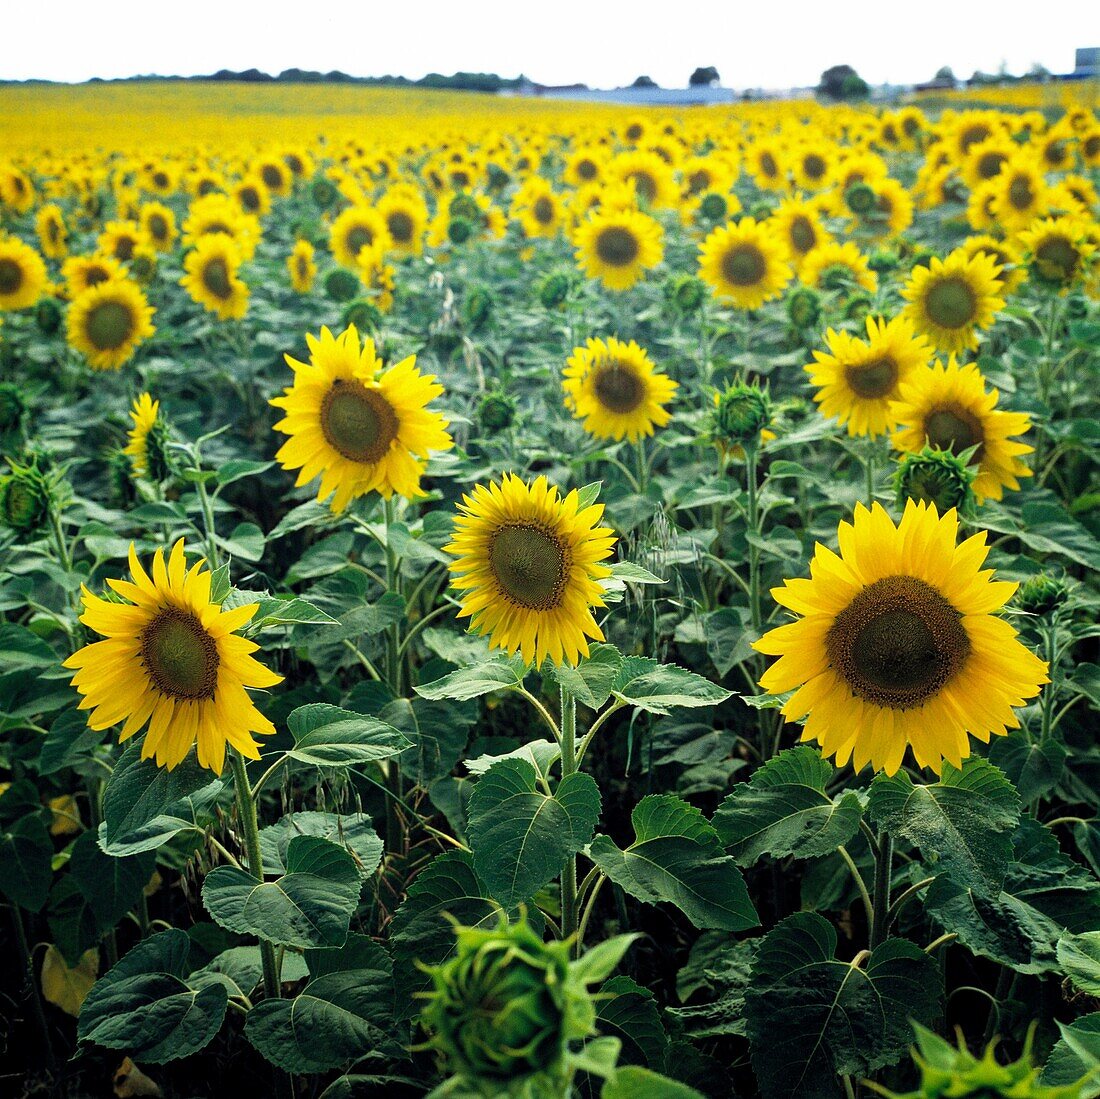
<point x="1034" y="769"/>
<point x="520" y="835"/>
<point x="354" y="831"/>
<point x="344" y="1014"/>
<point x="25" y="854"/>
<point x="812" y="1018"/>
<point x="592" y="680"/>
<point x="629" y="1012"/>
<point x="146" y="1006"/>
<point x="1079" y="957"/>
<point x="499" y="674"/>
<point x="654" y="687"/>
<point x="330" y="737"/>
<point x="676" y="857"/>
<point x="635" y="1082"/>
<point x="436" y="731"/>
<point x="308" y="906"/>
<point x="784" y="810"/>
<point x="1076" y="1054"/>
<point x="961" y="824"/>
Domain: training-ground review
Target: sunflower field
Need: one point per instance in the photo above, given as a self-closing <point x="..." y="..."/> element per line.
<point x="512" y="598"/>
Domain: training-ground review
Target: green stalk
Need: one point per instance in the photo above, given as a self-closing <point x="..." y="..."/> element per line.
<point x="393" y="584"/>
<point x="643" y="468"/>
<point x="753" y="523"/>
<point x="869" y="468"/>
<point x="1050" y="643"/>
<point x="27" y="959"/>
<point x="569" y="912"/>
<point x="884" y="864"/>
<point x="246" y="810"/>
<point x="208" y="523"/>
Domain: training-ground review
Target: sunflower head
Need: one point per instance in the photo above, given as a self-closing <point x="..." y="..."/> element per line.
<point x="741" y="413"/>
<point x="363" y="314"/>
<point x="952" y="299"/>
<point x="108" y="322"/>
<point x="745" y="263"/>
<point x="618" y="246"/>
<point x="47" y="315"/>
<point x="1042" y="595"/>
<point x="341" y="284"/>
<point x="497" y="411"/>
<point x="27" y="495"/>
<point x="477" y="307"/>
<point x="148" y="441"/>
<point x="686" y="293"/>
<point x="937" y="477"/>
<point x="804" y="308"/>
<point x="554" y="290"/>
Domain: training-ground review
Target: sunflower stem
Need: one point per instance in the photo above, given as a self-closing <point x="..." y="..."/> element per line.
<point x="208" y="523"/>
<point x="246" y="810"/>
<point x="884" y="865"/>
<point x="27" y="959"/>
<point x="869" y="468"/>
<point x="1050" y="640"/>
<point x="643" y="468"/>
<point x="568" y="767"/>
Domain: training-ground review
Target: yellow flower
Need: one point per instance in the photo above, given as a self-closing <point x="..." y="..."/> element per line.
<point x="22" y="275"/>
<point x="745" y="263"/>
<point x="171" y="659"/>
<point x="144" y="415"/>
<point x="618" y="246"/>
<point x="1057" y="251"/>
<point x="613" y="388"/>
<point x="1019" y="193"/>
<point x="897" y="645"/>
<point x="212" y="278"/>
<point x="651" y="177"/>
<point x="798" y="223"/>
<point x="948" y="407"/>
<point x="159" y="223"/>
<point x="361" y="428"/>
<point x="83" y="272"/>
<point x="53" y="234"/>
<point x="835" y="266"/>
<point x="302" y="267"/>
<point x="403" y="210"/>
<point x="538" y="209"/>
<point x="1005" y="254"/>
<point x="108" y="322"/>
<point x="529" y="568"/>
<point x="358" y="227"/>
<point x="857" y="381"/>
<point x="120" y="239"/>
<point x="950" y="300"/>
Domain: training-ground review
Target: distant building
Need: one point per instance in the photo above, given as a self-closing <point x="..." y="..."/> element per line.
<point x="1087" y="64"/>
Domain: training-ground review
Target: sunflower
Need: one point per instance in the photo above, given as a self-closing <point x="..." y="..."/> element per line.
<point x="893" y="209"/>
<point x="1019" y="193"/>
<point x="745" y="263"/>
<point x="1005" y="254"/>
<point x="83" y="272"/>
<point x="948" y="407"/>
<point x="108" y="322"/>
<point x="1057" y="251"/>
<point x="120" y="239"/>
<point x="361" y="428"/>
<point x="159" y="223"/>
<point x="172" y="658"/>
<point x="218" y="215"/>
<point x="22" y="275"/>
<point x="378" y="277"/>
<point x="538" y="209"/>
<point x="799" y="224"/>
<point x="529" y="568"/>
<point x="652" y="178"/>
<point x="276" y="176"/>
<point x="53" y="234"/>
<point x="987" y="159"/>
<point x="584" y="166"/>
<point x="16" y="190"/>
<point x="813" y="166"/>
<point x="949" y="300"/>
<point x="144" y="414"/>
<point x="212" y="278"/>
<point x="838" y="267"/>
<point x="897" y="645"/>
<point x="618" y="246"/>
<point x="767" y="164"/>
<point x="857" y="380"/>
<point x="403" y="210"/>
<point x="302" y="267"/>
<point x="358" y="227"/>
<point x="252" y="196"/>
<point x="615" y="391"/>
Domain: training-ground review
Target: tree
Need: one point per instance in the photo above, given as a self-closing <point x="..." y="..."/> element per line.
<point x="703" y="77"/>
<point x="944" y="75"/>
<point x="644" y="82"/>
<point x="842" y="82"/>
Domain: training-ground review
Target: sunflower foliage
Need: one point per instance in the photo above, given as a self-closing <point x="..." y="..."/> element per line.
<point x="511" y="598"/>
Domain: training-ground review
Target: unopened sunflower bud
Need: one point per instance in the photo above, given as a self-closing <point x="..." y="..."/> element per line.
<point x="741" y="412"/>
<point x="363" y="314"/>
<point x="804" y="308"/>
<point x="464" y="206"/>
<point x="47" y="315"/>
<point x="25" y="498"/>
<point x="497" y="411"/>
<point x="459" y="230"/>
<point x="859" y="198"/>
<point x="1042" y="594"/>
<point x="687" y="294"/>
<point x="477" y="307"/>
<point x="12" y="406"/>
<point x="324" y="192"/>
<point x="554" y="290"/>
<point x="857" y="307"/>
<point x="936" y="477"/>
<point x="341" y="285"/>
<point x="882" y="260"/>
<point x="713" y="206"/>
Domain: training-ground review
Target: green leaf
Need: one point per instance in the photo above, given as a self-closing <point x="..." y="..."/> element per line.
<point x="960" y="824"/>
<point x="1079" y="957"/>
<point x="311" y="905"/>
<point x="635" y="1082"/>
<point x="1034" y="769"/>
<point x="520" y="835"/>
<point x="21" y="650"/>
<point x="354" y="831"/>
<point x="629" y="1012"/>
<point x="274" y="612"/>
<point x="1076" y="1054"/>
<point x="110" y="886"/>
<point x="591" y="681"/>
<point x="784" y="810"/>
<point x="69" y="743"/>
<point x="327" y="736"/>
<point x="344" y="1014"/>
<point x="812" y="1018"/>
<point x="437" y="732"/>
<point x="500" y="674"/>
<point x="236" y="468"/>
<point x="246" y="542"/>
<point x="634" y="574"/>
<point x="145" y="1005"/>
<point x="676" y="857"/>
<point x="654" y="687"/>
<point x="25" y="870"/>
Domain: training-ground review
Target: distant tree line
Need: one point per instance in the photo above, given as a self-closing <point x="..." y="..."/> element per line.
<point x="461" y="81"/>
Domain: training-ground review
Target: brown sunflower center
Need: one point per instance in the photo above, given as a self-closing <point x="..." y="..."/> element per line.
<point x="158" y="227"/>
<point x="952" y="427"/>
<point x="586" y="169"/>
<point x="951" y="303"/>
<point x="543" y="210"/>
<point x="109" y="325"/>
<point x="874" y="379"/>
<point x="1021" y="193"/>
<point x="93" y="276"/>
<point x="271" y="176"/>
<point x="358" y="422"/>
<point x="530" y="563"/>
<point x="768" y="165"/>
<point x="11" y="276"/>
<point x="897" y="643"/>
<point x="698" y="181"/>
<point x="802" y="234"/>
<point x="294" y="163"/>
<point x="972" y="135"/>
<point x="990" y="164"/>
<point x="814" y="166"/>
<point x="358" y="238"/>
<point x="1057" y="259"/>
<point x="617" y="246"/>
<point x="179" y="655"/>
<point x="215" y="277"/>
<point x="634" y="131"/>
<point x="744" y="265"/>
<point x="161" y="180"/>
<point x="124" y="248"/>
<point x="644" y="184"/>
<point x="400" y="226"/>
<point x="250" y="198"/>
<point x="618" y="388"/>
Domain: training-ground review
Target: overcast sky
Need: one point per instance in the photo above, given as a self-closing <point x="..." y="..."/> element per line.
<point x="759" y="43"/>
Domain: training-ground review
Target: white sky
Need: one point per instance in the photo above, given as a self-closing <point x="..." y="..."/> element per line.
<point x="769" y="43"/>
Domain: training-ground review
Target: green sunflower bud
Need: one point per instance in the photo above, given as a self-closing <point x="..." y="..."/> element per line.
<point x="459" y="230"/>
<point x="47" y="315"/>
<point x="859" y="198"/>
<point x="464" y="206"/>
<point x="1077" y="307"/>
<point x="935" y="477"/>
<point x="363" y="313"/>
<point x="804" y="308"/>
<point x="324" y="192"/>
<point x="686" y="293"/>
<point x="341" y="285"/>
<point x="554" y="290"/>
<point x="120" y="484"/>
<point x="159" y="461"/>
<point x="761" y="211"/>
<point x="951" y="1070"/>
<point x="143" y="267"/>
<point x="477" y="307"/>
<point x="1042" y="594"/>
<point x="883" y="259"/>
<point x="740" y="414"/>
<point x="713" y="206"/>
<point x="498" y="177"/>
<point x="497" y="411"/>
<point x="25" y="498"/>
<point x="12" y="406"/>
<point x="858" y="306"/>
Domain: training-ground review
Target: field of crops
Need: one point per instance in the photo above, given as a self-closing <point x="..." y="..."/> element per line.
<point x="511" y="598"/>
